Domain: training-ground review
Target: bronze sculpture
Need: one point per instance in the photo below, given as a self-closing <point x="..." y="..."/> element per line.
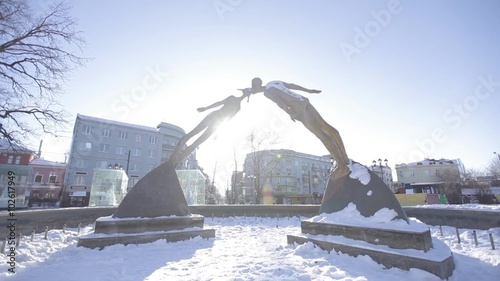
<point x="299" y="108"/>
<point x="230" y="106"/>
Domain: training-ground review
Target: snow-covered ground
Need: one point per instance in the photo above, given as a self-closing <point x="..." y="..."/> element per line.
<point x="245" y="248"/>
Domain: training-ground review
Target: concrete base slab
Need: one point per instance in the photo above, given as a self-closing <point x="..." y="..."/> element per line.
<point x="108" y="225"/>
<point x="103" y="240"/>
<point x="397" y="239"/>
<point x="110" y="230"/>
<point x="436" y="262"/>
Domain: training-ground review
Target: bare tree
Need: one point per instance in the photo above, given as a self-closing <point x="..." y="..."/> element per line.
<point x="494" y="167"/>
<point x="37" y="52"/>
<point x="451" y="182"/>
<point x="473" y="179"/>
<point x="260" y="161"/>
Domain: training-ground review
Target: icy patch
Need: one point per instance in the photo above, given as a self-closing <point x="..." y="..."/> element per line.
<point x="359" y="172"/>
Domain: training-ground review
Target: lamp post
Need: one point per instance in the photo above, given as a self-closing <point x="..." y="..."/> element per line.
<point x="381" y="167"/>
<point x="128" y="161"/>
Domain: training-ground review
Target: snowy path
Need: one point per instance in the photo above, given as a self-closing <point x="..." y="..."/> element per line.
<point x="243" y="249"/>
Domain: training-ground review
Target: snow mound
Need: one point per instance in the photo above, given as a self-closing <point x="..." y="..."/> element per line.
<point x="359" y="172"/>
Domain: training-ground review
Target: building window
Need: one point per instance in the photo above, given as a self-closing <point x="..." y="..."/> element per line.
<point x="437" y="172"/>
<point x="152" y="154"/>
<point x="80" y="179"/>
<point x="87" y="130"/>
<point x="10" y="159"/>
<point x="38" y="178"/>
<point x="102" y="164"/>
<point x="123" y="135"/>
<point x="136" y="152"/>
<point x="18" y="160"/>
<point x="106" y="133"/>
<point x="153" y="140"/>
<point x="120" y="150"/>
<point x="52" y="179"/>
<point x="150" y="168"/>
<point x="85" y="146"/>
<point x="103" y="147"/>
<point x="138" y="137"/>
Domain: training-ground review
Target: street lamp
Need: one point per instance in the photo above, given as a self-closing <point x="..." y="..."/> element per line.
<point x="128" y="161"/>
<point x="380" y="166"/>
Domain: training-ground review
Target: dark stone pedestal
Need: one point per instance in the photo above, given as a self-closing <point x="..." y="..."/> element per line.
<point x="403" y="246"/>
<point x="391" y="247"/>
<point x="141" y="238"/>
<point x="110" y="231"/>
<point x="440" y="265"/>
<point x="369" y="197"/>
<point x="135" y="225"/>
<point x="157" y="194"/>
<point x="396" y="239"/>
<point x="155" y="208"/>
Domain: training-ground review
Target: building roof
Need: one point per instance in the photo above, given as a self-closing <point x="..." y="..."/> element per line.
<point x="289" y="152"/>
<point x="141" y="127"/>
<point x="117" y="123"/>
<point x="6" y="145"/>
<point x="428" y="161"/>
<point x="43" y="162"/>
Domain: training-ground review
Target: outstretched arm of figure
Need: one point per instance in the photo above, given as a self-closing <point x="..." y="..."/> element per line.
<point x="300" y="88"/>
<point x="219" y="103"/>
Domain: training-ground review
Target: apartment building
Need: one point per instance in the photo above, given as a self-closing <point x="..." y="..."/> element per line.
<point x="14" y="175"/>
<point x="46" y="182"/>
<point x="101" y="143"/>
<point x="286" y="176"/>
<point x="427" y="175"/>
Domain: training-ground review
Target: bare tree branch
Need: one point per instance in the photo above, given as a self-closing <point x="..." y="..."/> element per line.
<point x="37" y="52"/>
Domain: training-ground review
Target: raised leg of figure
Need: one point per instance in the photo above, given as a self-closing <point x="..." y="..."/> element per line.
<point x="186" y="152"/>
<point x="180" y="145"/>
<point x="330" y="139"/>
<point x="332" y="146"/>
<point x="327" y="129"/>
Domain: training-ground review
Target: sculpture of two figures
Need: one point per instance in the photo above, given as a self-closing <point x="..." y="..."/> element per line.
<point x="349" y="182"/>
<point x="297" y="106"/>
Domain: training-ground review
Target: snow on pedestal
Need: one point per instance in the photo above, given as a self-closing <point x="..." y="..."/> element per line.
<point x="386" y="239"/>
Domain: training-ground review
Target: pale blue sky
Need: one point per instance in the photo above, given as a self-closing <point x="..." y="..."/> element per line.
<point x="399" y="78"/>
